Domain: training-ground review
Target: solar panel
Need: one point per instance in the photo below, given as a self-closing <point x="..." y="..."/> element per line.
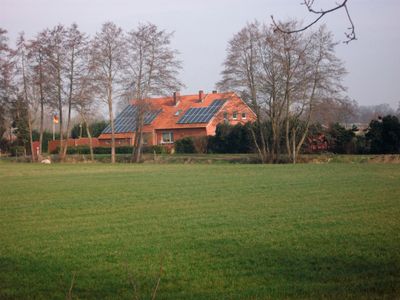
<point x="202" y="114"/>
<point x="126" y="120"/>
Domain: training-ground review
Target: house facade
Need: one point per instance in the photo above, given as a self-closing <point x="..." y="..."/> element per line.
<point x="169" y="119"/>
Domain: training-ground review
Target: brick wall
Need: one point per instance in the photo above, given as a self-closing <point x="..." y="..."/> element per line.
<point x="235" y="105"/>
<point x="52" y="146"/>
<point x="181" y="133"/>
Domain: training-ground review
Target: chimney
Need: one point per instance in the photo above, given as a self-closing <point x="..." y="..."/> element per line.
<point x="214" y="91"/>
<point x="201" y="95"/>
<point x="176" y="97"/>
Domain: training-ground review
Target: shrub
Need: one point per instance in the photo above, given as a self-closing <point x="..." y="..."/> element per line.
<point x="154" y="149"/>
<point x="384" y="135"/>
<point x="78" y="150"/>
<point x="185" y="145"/>
<point x="96" y="129"/>
<point x="107" y="150"/>
<point x="231" y="139"/>
<point x="4" y="145"/>
<point x="341" y="140"/>
<point x="17" y="150"/>
<point x="200" y="144"/>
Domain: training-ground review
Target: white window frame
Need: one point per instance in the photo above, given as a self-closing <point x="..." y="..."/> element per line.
<point x="171" y="137"/>
<point x="244" y="116"/>
<point x="234" y="115"/>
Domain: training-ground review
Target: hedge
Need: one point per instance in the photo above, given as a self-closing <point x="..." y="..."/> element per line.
<point x="185" y="145"/>
<point x="107" y="150"/>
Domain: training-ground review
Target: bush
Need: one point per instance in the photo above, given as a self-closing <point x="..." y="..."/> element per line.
<point x="341" y="140"/>
<point x="17" y="150"/>
<point x="154" y="149"/>
<point x="107" y="150"/>
<point x="200" y="144"/>
<point x="4" y="145"/>
<point x="95" y="128"/>
<point x="185" y="145"/>
<point x="78" y="150"/>
<point x="384" y="135"/>
<point x="231" y="139"/>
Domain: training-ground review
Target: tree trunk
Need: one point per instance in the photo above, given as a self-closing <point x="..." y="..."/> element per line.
<point x="41" y="82"/>
<point x="294" y="145"/>
<point x="60" y="110"/>
<point x="26" y="98"/>
<point x="261" y="153"/>
<point x="33" y="150"/>
<point x="71" y="84"/>
<point x="275" y="140"/>
<point x="90" y="139"/>
<point x="137" y="147"/>
<point x="111" y="116"/>
<point x="65" y="148"/>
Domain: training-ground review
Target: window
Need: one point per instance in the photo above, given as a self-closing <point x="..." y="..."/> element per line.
<point x="226" y="121"/>
<point x="145" y="138"/>
<point x="234" y="115"/>
<point x="243" y="115"/>
<point x="122" y="141"/>
<point x="167" y="138"/>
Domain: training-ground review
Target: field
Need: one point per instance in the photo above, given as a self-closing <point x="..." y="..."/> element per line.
<point x="227" y="231"/>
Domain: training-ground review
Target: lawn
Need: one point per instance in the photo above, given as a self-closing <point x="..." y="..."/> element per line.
<point x="227" y="231"/>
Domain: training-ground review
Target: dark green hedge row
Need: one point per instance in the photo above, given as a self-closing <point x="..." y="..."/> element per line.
<point x="107" y="150"/>
<point x="185" y="145"/>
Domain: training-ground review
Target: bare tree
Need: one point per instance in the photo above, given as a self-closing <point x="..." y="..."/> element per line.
<point x="109" y="50"/>
<point x="368" y="113"/>
<point x="335" y="110"/>
<point x="286" y="76"/>
<point x="25" y="85"/>
<point x="320" y="13"/>
<point x="6" y="86"/>
<point x="320" y="78"/>
<point x="76" y="48"/>
<point x="56" y="58"/>
<point x="85" y="102"/>
<point x="152" y="70"/>
<point x="39" y="65"/>
<point x="241" y="69"/>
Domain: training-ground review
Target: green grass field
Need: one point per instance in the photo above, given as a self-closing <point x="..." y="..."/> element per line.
<point x="219" y="231"/>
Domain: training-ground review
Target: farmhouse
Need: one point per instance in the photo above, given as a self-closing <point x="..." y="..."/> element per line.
<point x="169" y="119"/>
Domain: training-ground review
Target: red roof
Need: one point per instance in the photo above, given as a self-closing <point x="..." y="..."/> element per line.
<point x="168" y="117"/>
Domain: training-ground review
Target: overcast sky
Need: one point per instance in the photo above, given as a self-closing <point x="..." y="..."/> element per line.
<point x="204" y="27"/>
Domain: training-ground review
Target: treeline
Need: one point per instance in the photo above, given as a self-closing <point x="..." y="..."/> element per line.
<point x="65" y="71"/>
<point x="289" y="81"/>
<point x="381" y="137"/>
<point x="18" y="147"/>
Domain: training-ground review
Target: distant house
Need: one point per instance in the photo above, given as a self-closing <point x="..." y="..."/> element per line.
<point x="358" y="128"/>
<point x="169" y="119"/>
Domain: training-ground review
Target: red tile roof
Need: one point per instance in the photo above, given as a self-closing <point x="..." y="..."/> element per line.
<point x="167" y="118"/>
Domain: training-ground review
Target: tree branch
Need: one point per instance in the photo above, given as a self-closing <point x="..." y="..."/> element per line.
<point x="350" y="34"/>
